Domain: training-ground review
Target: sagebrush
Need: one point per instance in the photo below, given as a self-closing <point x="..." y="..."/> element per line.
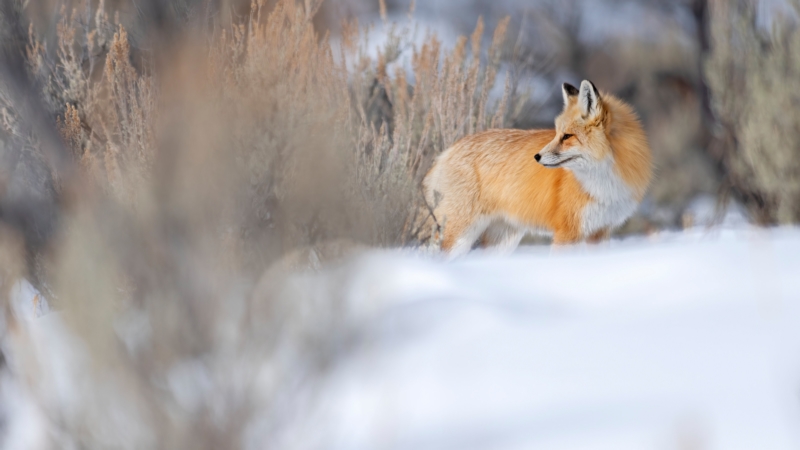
<point x="754" y="75"/>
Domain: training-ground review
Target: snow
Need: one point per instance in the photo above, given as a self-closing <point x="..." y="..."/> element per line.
<point x="680" y="340"/>
<point x="26" y="301"/>
<point x="687" y="340"/>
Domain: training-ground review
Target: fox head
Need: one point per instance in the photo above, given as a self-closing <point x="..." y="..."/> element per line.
<point x="581" y="138"/>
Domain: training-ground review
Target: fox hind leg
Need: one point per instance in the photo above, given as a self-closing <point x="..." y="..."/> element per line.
<point x="459" y="240"/>
<point x="501" y="237"/>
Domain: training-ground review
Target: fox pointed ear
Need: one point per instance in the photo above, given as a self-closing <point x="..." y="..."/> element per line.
<point x="589" y="100"/>
<point x="569" y="92"/>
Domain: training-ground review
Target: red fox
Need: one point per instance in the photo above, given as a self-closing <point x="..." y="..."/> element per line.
<point x="577" y="182"/>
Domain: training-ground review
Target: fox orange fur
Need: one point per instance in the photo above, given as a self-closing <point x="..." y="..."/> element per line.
<point x="577" y="182"/>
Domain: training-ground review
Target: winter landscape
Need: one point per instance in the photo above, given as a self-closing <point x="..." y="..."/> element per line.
<point x="210" y="228"/>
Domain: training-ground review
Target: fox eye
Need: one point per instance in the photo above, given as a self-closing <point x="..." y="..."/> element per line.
<point x="565" y="137"/>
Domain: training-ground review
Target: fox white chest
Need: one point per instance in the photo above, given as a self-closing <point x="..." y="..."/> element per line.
<point x="613" y="201"/>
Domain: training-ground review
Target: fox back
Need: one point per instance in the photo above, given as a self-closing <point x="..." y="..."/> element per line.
<point x="576" y="182"/>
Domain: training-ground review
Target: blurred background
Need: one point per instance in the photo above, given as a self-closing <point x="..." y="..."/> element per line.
<point x="189" y="190"/>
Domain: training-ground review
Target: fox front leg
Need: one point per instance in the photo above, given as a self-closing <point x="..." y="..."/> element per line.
<point x="562" y="238"/>
<point x="599" y="236"/>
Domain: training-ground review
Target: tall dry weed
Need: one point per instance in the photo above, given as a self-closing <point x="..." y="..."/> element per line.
<point x="401" y="127"/>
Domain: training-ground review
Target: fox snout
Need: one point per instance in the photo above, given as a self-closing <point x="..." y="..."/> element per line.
<point x="557" y="157"/>
<point x="546" y="154"/>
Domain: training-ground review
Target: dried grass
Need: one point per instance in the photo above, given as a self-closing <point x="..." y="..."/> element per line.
<point x="195" y="168"/>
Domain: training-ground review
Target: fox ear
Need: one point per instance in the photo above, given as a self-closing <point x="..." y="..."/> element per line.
<point x="569" y="92"/>
<point x="589" y="100"/>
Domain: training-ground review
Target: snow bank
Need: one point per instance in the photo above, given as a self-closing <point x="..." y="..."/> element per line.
<point x="685" y="340"/>
<point x="676" y="341"/>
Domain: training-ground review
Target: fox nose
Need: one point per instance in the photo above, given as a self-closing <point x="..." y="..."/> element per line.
<point x="537" y="157"/>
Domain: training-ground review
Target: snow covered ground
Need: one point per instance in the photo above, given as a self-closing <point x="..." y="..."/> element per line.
<point x="686" y="341"/>
<point x="683" y="341"/>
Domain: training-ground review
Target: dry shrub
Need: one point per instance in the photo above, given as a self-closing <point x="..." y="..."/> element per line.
<point x="194" y="169"/>
<point x="400" y="127"/>
<point x="754" y="78"/>
<point x="272" y="85"/>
